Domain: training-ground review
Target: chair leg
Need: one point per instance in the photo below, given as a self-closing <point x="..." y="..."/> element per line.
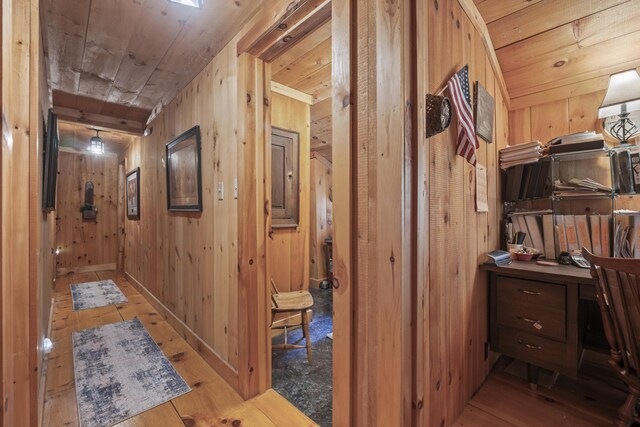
<point x="627" y="412"/>
<point x="307" y="336"/>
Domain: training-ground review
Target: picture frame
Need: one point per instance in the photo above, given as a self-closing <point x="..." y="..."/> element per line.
<point x="484" y="112"/>
<point x="132" y="194"/>
<point x="51" y="140"/>
<point x="184" y="172"/>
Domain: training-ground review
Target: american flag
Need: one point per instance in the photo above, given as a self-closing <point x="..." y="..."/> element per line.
<point x="459" y="88"/>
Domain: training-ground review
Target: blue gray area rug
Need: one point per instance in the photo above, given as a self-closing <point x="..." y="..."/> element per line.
<point x="120" y="372"/>
<point x="96" y="294"/>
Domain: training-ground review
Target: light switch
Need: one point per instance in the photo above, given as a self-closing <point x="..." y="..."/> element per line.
<point x="235" y="188"/>
<point x="221" y="191"/>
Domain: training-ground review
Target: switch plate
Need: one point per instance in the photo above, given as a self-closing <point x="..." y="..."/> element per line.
<point x="235" y="188"/>
<point x="221" y="191"/>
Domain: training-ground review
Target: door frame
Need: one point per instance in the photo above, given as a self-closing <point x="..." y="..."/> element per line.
<point x="254" y="81"/>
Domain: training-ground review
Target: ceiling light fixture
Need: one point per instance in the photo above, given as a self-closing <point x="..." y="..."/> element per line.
<point x="621" y="106"/>
<point x="96" y="145"/>
<point x="191" y="3"/>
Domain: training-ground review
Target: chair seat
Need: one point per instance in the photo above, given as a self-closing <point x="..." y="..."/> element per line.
<point x="292" y="301"/>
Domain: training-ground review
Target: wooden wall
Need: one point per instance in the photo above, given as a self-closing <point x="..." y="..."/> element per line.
<point x="86" y="244"/>
<point x="289" y="247"/>
<point x="188" y="261"/>
<point x="451" y="342"/>
<point x="25" y="279"/>
<point x="321" y="217"/>
<point x="547" y="120"/>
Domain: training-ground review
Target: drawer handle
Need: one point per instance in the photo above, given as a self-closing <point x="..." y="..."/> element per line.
<point x="529" y="346"/>
<point x="526" y="292"/>
<point x="526" y="319"/>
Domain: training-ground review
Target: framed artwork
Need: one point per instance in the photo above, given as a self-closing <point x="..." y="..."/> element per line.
<point x="50" y="159"/>
<point x="184" y="176"/>
<point x="484" y="113"/>
<point x="133" y="194"/>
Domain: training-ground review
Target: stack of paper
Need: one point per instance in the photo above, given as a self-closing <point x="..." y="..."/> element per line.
<point x="577" y="187"/>
<point x="520" y="154"/>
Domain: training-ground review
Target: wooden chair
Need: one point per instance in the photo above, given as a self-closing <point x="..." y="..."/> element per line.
<point x="618" y="293"/>
<point x="292" y="302"/>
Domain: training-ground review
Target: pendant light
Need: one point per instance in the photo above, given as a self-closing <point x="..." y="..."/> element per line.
<point x="96" y="145"/>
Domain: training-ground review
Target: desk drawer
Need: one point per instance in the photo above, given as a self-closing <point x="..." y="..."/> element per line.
<point x="533" y="318"/>
<point x="531" y="348"/>
<point x="529" y="292"/>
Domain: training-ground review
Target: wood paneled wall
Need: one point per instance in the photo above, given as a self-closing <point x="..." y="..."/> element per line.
<point x="547" y="120"/>
<point x="188" y="261"/>
<point x="452" y="321"/>
<point x="25" y="271"/>
<point x="321" y="217"/>
<point x="86" y="244"/>
<point x="289" y="247"/>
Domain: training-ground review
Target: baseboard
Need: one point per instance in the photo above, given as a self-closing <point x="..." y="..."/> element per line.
<point x="226" y="371"/>
<point x="85" y="269"/>
<point x="42" y="381"/>
<point x="315" y="283"/>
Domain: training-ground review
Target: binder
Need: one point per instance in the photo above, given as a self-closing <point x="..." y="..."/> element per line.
<point x="561" y="235"/>
<point x="595" y="234"/>
<point x="534" y="177"/>
<point x="572" y="235"/>
<point x="605" y="240"/>
<point x="543" y="178"/>
<point x="525" y="181"/>
<point x="548" y="234"/>
<point x="582" y="228"/>
<point x="625" y="175"/>
<point x="536" y="232"/>
<point x="635" y="169"/>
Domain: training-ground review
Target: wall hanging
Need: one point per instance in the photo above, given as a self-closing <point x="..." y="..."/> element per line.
<point x="133" y="194"/>
<point x="184" y="176"/>
<point x="438" y="114"/>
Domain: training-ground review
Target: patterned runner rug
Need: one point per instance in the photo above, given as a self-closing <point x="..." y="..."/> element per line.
<point x="96" y="294"/>
<point x="120" y="372"/>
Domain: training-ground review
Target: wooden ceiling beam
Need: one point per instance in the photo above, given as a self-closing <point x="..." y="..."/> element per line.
<point x="291" y="93"/>
<point x="303" y="29"/>
<point x="268" y="37"/>
<point x="75" y="115"/>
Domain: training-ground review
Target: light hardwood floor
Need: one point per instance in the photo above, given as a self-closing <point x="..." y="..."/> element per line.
<point x="506" y="400"/>
<point x="212" y="402"/>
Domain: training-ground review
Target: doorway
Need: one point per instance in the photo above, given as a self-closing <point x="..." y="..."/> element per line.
<point x="300" y="239"/>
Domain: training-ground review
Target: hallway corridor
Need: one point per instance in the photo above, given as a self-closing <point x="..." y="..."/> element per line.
<point x="212" y="402"/>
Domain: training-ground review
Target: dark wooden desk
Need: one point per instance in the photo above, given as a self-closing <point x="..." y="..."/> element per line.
<point x="535" y="315"/>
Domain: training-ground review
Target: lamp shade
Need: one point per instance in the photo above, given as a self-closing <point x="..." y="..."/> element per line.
<point x="623" y="94"/>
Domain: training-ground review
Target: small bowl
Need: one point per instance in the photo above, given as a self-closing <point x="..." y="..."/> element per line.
<point x="523" y="256"/>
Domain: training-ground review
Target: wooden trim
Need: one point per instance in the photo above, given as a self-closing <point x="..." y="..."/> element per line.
<point x="99" y="120"/>
<point x="472" y="12"/>
<point x="85" y="269"/>
<point x="42" y="389"/>
<point x="562" y="92"/>
<point x="226" y="371"/>
<point x="278" y="30"/>
<point x="291" y="92"/>
<point x="322" y="159"/>
<point x="254" y="364"/>
<point x="343" y="58"/>
<point x="72" y="150"/>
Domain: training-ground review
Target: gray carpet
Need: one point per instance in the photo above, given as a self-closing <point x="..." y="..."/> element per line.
<point x="120" y="372"/>
<point x="308" y="386"/>
<point x="96" y="294"/>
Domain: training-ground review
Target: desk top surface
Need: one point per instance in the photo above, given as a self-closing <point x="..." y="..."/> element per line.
<point x="531" y="270"/>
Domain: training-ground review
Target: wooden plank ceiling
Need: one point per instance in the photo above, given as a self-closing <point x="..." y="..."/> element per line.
<point x="306" y="67"/>
<point x="121" y="57"/>
<point x="553" y="49"/>
<point x="76" y="137"/>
